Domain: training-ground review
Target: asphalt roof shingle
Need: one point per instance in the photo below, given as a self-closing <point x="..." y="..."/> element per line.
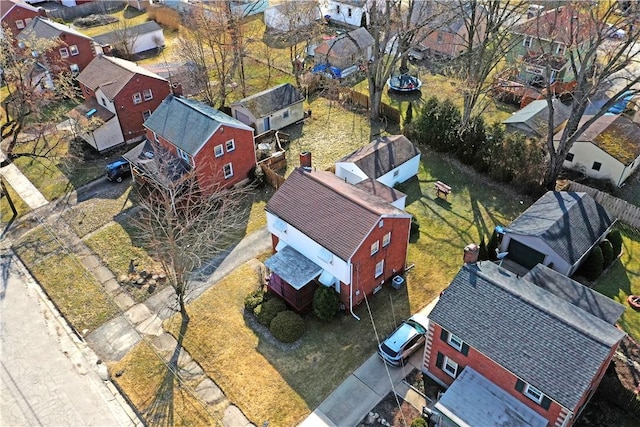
<point x="333" y="213"/>
<point x="130" y="33"/>
<point x="351" y="43"/>
<point x="188" y="124"/>
<point x="536" y="115"/>
<point x="546" y="341"/>
<point x="382" y="155"/>
<point x="569" y="222"/>
<point x="43" y="28"/>
<point x="271" y="100"/>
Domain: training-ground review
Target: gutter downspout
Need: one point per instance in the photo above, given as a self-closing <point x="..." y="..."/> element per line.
<point x="621" y="175"/>
<point x="351" y="295"/>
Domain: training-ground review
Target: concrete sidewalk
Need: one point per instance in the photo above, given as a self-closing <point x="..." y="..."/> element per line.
<point x="365" y="388"/>
<point x="21" y="185"/>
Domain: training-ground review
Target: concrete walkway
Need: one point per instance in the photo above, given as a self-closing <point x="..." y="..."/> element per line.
<point x="365" y="388"/>
<point x="21" y="185"/>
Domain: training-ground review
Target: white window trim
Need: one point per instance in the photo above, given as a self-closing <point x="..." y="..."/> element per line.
<point x="218" y="150"/>
<point x="230" y="174"/>
<point x="528" y="41"/>
<point x="560" y="48"/>
<point x="137" y="98"/>
<point x="184" y="155"/>
<point x="533" y="393"/>
<point x="379" y="268"/>
<point x="64" y="52"/>
<point x="375" y="247"/>
<point x="144" y="95"/>
<point x="455" y="341"/>
<point x="155" y="137"/>
<point x="19" y="24"/>
<point x="450" y="364"/>
<point x="233" y="145"/>
<point x="74" y="68"/>
<point x="386" y="239"/>
<point x="146" y="114"/>
<point x="396" y="173"/>
<point x="73" y="48"/>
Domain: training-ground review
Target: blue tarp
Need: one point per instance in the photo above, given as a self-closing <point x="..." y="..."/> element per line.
<point x="334" y="72"/>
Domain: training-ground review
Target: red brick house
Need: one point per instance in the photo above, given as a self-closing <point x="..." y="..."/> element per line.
<point x="73" y="53"/>
<point x="17" y="14"/>
<point x="122" y="95"/>
<point x="219" y="147"/>
<point x="527" y="350"/>
<point x="327" y="232"/>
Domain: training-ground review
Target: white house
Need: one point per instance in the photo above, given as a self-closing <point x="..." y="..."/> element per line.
<point x="558" y="230"/>
<point x="291" y="15"/>
<point x="389" y="160"/>
<point x="349" y="12"/>
<point x="609" y="149"/>
<point x="139" y="38"/>
<point x="273" y="108"/>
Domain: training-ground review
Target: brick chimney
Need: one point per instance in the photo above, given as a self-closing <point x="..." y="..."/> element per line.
<point x="176" y="88"/>
<point x="305" y="160"/>
<point x="471" y="252"/>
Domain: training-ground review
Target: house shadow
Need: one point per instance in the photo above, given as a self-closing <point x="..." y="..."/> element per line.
<point x="411" y="188"/>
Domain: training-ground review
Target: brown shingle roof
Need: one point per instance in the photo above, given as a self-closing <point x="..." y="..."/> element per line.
<point x="382" y="155"/>
<point x="567" y="24"/>
<point x="352" y="43"/>
<point x="617" y="135"/>
<point x="377" y="188"/>
<point x="111" y="74"/>
<point x="333" y="213"/>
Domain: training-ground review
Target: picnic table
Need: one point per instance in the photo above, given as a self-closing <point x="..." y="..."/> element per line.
<point x="442" y="189"/>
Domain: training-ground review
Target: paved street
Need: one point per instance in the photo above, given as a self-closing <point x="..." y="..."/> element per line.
<point x="45" y="378"/>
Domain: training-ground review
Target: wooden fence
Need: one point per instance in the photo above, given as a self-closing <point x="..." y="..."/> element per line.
<point x="86" y="9"/>
<point x="624" y="211"/>
<point x="362" y="100"/>
<point x="269" y="167"/>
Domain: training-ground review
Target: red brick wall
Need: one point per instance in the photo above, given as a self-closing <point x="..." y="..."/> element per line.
<point x="17" y="13"/>
<point x="130" y="115"/>
<point x="86" y="53"/>
<point x="242" y="158"/>
<point x="364" y="264"/>
<point x="485" y="366"/>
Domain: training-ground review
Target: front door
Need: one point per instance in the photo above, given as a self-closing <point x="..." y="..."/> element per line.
<point x="267" y="124"/>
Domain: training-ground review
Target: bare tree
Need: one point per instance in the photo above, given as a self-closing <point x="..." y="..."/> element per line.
<point x="598" y="63"/>
<point x="184" y="224"/>
<point x="36" y="85"/>
<point x="395" y="26"/>
<point x="125" y="36"/>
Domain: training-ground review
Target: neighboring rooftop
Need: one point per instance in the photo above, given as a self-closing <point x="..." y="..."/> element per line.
<point x="333" y="213"/>
<point x="111" y="74"/>
<point x="271" y="100"/>
<point x="188" y="124"/>
<point x="132" y="32"/>
<point x="7" y="5"/>
<point x="569" y="222"/>
<point x="558" y="349"/>
<point x="370" y="185"/>
<point x="567" y="24"/>
<point x="382" y="155"/>
<point x="536" y="116"/>
<point x="351" y="43"/>
<point x="43" y="28"/>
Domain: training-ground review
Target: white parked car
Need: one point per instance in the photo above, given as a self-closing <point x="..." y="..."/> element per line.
<point x="405" y="340"/>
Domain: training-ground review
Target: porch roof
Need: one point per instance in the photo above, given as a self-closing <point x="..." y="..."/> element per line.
<point x="473" y="400"/>
<point x="293" y="267"/>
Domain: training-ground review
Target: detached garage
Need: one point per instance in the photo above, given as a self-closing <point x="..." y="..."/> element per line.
<point x="558" y="230"/>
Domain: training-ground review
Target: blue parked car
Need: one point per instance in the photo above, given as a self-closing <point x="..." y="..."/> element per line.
<point x="118" y="170"/>
<point x="620" y="106"/>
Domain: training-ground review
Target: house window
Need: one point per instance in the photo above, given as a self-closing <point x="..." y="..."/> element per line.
<point x="285" y="115"/>
<point x="155" y="137"/>
<point x="381" y="223"/>
<point x="74" y="50"/>
<point x="146" y="115"/>
<point x="396" y="173"/>
<point x="218" y="150"/>
<point x="386" y="239"/>
<point x="231" y="145"/>
<point x="74" y="68"/>
<point x="560" y="48"/>
<point x="183" y="155"/>
<point x="137" y="98"/>
<point x="349" y="12"/>
<point x="569" y="157"/>
<point x="596" y="166"/>
<point x="103" y="101"/>
<point x="450" y="367"/>
<point x="455" y="342"/>
<point x="528" y="41"/>
<point x="374" y="248"/>
<point x="338" y="9"/>
<point x="440" y="38"/>
<point x="379" y="268"/>
<point x="228" y="170"/>
<point x="64" y="52"/>
<point x="20" y="24"/>
<point x="147" y="94"/>
<point x="533" y="393"/>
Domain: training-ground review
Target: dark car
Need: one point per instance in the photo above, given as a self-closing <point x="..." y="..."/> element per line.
<point x="118" y="170"/>
<point x="404" y="341"/>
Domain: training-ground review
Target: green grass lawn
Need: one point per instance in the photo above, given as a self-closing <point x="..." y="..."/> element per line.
<point x="6" y="214"/>
<point x="623" y="279"/>
<point x="96" y="212"/>
<point x="74" y="291"/>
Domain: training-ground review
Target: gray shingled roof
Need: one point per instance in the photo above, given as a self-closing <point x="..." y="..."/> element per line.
<point x="581" y="296"/>
<point x="111" y="74"/>
<point x="188" y="124"/>
<point x="539" y="337"/>
<point x="351" y="43"/>
<point x="536" y="116"/>
<point x="372" y="186"/>
<point x="382" y="155"/>
<point x="116" y="36"/>
<point x="43" y="28"/>
<point x="271" y="100"/>
<point x="569" y="222"/>
<point x="333" y="213"/>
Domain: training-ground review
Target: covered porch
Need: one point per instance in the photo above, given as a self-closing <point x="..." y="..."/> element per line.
<point x="294" y="277"/>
